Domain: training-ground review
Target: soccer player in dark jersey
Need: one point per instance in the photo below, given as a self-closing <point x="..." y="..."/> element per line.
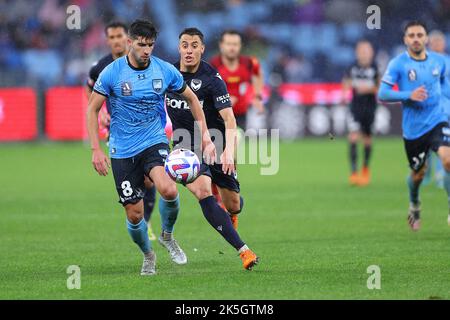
<point x="363" y="79"/>
<point x="422" y="81"/>
<point x="211" y="90"/>
<point x="135" y="85"/>
<point x="116" y="37"/>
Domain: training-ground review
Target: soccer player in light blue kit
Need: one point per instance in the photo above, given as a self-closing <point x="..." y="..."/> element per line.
<point x="421" y="78"/>
<point x="135" y="86"/>
<point x="437" y="44"/>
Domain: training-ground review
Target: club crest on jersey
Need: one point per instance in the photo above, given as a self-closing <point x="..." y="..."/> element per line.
<point x="126" y="89"/>
<point x="196" y="84"/>
<point x="412" y="75"/>
<point x="157" y="85"/>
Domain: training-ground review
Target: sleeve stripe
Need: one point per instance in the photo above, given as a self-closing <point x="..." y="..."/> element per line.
<point x="387" y="82"/>
<point x="181" y="90"/>
<point x="95" y="90"/>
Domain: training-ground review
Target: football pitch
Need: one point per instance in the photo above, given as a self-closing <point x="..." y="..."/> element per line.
<point x="316" y="236"/>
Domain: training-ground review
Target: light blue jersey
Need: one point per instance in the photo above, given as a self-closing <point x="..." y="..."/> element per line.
<point x="136" y="96"/>
<point x="445" y="99"/>
<point x="409" y="74"/>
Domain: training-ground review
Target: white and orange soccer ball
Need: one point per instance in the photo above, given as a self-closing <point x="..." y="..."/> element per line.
<point x="182" y="166"/>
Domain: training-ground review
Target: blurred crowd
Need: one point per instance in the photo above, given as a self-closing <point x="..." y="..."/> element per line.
<point x="296" y="40"/>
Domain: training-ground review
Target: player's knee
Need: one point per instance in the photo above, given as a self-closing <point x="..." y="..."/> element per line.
<point x="169" y="192"/>
<point x="134" y="213"/>
<point x="446" y="164"/>
<point x="418" y="176"/>
<point x="202" y="193"/>
<point x="235" y="205"/>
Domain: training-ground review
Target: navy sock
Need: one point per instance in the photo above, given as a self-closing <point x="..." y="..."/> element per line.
<point x="353" y="157"/>
<point x="367" y="154"/>
<point x="413" y="190"/>
<point x="220" y="220"/>
<point x="149" y="203"/>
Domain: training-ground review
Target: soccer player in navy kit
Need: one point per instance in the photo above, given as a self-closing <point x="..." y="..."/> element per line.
<point x="135" y="86"/>
<point x="212" y="92"/>
<point x="116" y="35"/>
<point x="421" y="78"/>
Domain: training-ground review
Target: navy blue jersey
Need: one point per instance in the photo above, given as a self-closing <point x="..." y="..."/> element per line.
<point x="368" y="76"/>
<point x="136" y="96"/>
<point x="95" y="71"/>
<point x="213" y="95"/>
<point x="409" y="74"/>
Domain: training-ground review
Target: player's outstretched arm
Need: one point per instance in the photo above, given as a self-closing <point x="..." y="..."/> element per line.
<point x="99" y="160"/>
<point x="227" y="157"/>
<point x="386" y="93"/>
<point x="209" y="150"/>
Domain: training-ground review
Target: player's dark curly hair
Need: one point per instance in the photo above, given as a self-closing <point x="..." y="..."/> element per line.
<point x="192" y="32"/>
<point x="413" y="23"/>
<point x="142" y="28"/>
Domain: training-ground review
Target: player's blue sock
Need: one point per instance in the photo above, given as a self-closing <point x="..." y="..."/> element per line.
<point x="138" y="233"/>
<point x="220" y="220"/>
<point x="168" y="210"/>
<point x="149" y="202"/>
<point x="413" y="190"/>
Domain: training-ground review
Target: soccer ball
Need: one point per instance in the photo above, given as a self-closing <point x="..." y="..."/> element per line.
<point x="182" y="166"/>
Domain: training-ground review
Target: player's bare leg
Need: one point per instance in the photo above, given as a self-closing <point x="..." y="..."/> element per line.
<point x="216" y="194"/>
<point x="168" y="208"/>
<point x="137" y="228"/>
<point x="444" y="155"/>
<point x="364" y="178"/>
<point x="414" y="181"/>
<point x="233" y="203"/>
<point x="353" y="138"/>
<point x="220" y="220"/>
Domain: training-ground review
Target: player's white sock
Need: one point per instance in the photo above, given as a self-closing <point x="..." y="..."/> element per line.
<point x="244" y="247"/>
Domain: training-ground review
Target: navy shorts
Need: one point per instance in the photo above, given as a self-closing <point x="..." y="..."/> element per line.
<point x="222" y="180"/>
<point x="129" y="172"/>
<point x="417" y="149"/>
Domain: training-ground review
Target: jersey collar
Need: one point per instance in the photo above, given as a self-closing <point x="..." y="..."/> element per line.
<point x="409" y="56"/>
<point x="138" y="69"/>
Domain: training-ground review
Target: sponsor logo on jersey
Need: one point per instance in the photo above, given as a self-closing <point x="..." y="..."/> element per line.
<point x="196" y="84"/>
<point x="141" y="76"/>
<point x="435" y="72"/>
<point x="179" y="103"/>
<point x="218" y="76"/>
<point x="157" y="85"/>
<point x="412" y="75"/>
<point x="223" y="99"/>
<point x="163" y="153"/>
<point x="126" y="89"/>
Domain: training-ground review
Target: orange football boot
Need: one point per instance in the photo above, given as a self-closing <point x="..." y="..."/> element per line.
<point x="364" y="178"/>
<point x="249" y="259"/>
<point x="354" y="179"/>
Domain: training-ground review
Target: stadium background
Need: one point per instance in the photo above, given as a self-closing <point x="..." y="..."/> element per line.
<point x="316" y="235"/>
<point x="297" y="42"/>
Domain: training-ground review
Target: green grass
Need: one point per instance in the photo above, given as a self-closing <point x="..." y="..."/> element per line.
<point x="315" y="235"/>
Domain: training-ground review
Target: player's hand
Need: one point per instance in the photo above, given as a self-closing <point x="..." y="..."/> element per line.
<point x="420" y="94"/>
<point x="227" y="161"/>
<point x="209" y="151"/>
<point x="364" y="89"/>
<point x="100" y="162"/>
<point x="258" y="104"/>
<point x="105" y="118"/>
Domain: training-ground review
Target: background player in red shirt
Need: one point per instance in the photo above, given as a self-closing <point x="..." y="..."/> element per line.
<point x="242" y="75"/>
<point x="244" y="79"/>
